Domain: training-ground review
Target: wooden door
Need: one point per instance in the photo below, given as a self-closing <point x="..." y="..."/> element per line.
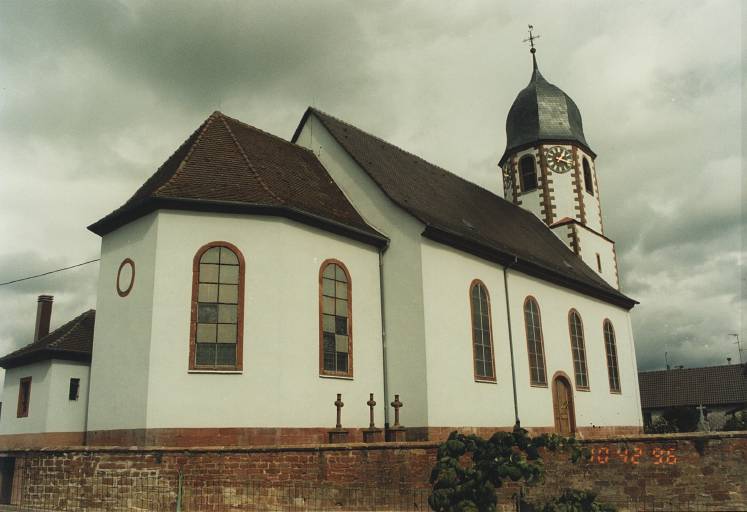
<point x="565" y="421"/>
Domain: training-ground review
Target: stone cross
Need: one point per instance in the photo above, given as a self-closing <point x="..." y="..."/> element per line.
<point x="396" y="404"/>
<point x="702" y="422"/>
<point x="531" y="39"/>
<point x="371" y="404"/>
<point x="339" y="405"/>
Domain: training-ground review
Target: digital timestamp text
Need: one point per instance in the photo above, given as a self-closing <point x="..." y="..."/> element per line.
<point x="633" y="455"/>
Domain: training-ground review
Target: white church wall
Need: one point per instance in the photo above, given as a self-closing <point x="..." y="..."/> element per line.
<point x="280" y="384"/>
<point x="592" y="244"/>
<point x="598" y="406"/>
<point x="36" y="421"/>
<point x="402" y="275"/>
<point x="120" y="361"/>
<point x="591" y="201"/>
<point x="563" y="193"/>
<point x="531" y="201"/>
<point x="67" y="415"/>
<point x="455" y="398"/>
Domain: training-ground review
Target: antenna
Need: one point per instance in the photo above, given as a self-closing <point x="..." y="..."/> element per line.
<point x="738" y="344"/>
<point x="531" y="39"/>
<point x="666" y="359"/>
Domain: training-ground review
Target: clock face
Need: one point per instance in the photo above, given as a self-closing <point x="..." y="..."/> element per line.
<point x="559" y="159"/>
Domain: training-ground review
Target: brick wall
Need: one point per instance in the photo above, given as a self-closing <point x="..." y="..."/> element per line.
<point x="694" y="470"/>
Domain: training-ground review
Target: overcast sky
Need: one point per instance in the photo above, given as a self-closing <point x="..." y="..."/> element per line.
<point x="94" y="96"/>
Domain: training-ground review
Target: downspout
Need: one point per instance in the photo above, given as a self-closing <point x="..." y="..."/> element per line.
<point x="517" y="425"/>
<point x="383" y="336"/>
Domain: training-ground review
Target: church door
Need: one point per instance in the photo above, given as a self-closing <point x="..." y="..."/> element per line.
<point x="562" y="394"/>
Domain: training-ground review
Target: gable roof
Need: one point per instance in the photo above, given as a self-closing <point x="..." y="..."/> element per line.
<point x="72" y="341"/>
<point x="229" y="166"/>
<point x="461" y="214"/>
<point x="712" y="385"/>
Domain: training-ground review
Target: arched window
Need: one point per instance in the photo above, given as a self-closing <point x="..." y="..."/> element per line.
<point x="482" y="336"/>
<point x="610" y="346"/>
<point x="217" y="308"/>
<point x="528" y="172"/>
<point x="535" y="348"/>
<point x="335" y="322"/>
<point x="578" y="350"/>
<point x="588" y="183"/>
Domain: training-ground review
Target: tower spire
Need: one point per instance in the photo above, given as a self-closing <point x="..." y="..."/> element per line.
<point x="532" y="49"/>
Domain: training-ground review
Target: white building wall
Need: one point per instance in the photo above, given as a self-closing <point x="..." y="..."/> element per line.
<point x="67" y="415"/>
<point x="592" y="244"/>
<point x="280" y="384"/>
<point x="591" y="201"/>
<point x="455" y="398"/>
<point x="36" y="421"/>
<point x="598" y="406"/>
<point x="120" y="363"/>
<point x="563" y="193"/>
<point x="532" y="200"/>
<point x="402" y="273"/>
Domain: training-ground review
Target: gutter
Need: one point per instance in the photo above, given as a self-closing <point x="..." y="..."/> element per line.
<point x="517" y="424"/>
<point x="383" y="336"/>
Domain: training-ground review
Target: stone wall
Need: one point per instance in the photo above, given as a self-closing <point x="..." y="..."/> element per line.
<point x="699" y="471"/>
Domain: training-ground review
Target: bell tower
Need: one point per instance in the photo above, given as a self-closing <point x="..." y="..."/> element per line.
<point x="549" y="169"/>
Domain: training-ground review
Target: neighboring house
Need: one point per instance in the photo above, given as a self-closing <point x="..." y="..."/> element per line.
<point x="721" y="390"/>
<point x="252" y="279"/>
<point x="46" y="383"/>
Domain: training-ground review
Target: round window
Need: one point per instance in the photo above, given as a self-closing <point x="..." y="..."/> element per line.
<point x="125" y="277"/>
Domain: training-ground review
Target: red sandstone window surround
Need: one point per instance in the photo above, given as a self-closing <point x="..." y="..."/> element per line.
<point x="482" y="332"/>
<point x="610" y="347"/>
<point x="216" y="330"/>
<point x="528" y="173"/>
<point x="335" y="320"/>
<point x="535" y="343"/>
<point x="24" y="398"/>
<point x="578" y="350"/>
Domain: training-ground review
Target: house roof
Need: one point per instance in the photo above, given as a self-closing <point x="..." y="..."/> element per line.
<point x="712" y="385"/>
<point x="229" y="166"/>
<point x="459" y="213"/>
<point x="72" y="341"/>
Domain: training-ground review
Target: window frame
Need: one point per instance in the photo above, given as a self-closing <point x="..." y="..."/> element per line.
<point x="331" y="373"/>
<point x="588" y="178"/>
<point x="481" y="378"/>
<point x="578" y="387"/>
<point x="531" y="157"/>
<point x="541" y="340"/>
<point x="238" y="367"/>
<point x="23" y="412"/>
<point x="617" y="391"/>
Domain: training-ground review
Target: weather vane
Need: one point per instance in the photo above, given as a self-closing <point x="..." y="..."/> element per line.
<point x="531" y="39"/>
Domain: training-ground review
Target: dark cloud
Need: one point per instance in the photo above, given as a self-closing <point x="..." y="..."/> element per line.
<point x="94" y="95"/>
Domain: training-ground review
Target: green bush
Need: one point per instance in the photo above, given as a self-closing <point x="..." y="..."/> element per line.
<point x="576" y="501"/>
<point x="737" y="421"/>
<point x="660" y="425"/>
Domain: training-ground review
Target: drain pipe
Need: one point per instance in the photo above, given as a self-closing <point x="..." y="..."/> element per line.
<point x="517" y="425"/>
<point x="383" y="336"/>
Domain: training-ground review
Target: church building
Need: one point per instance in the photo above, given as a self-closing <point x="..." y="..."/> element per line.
<point x="253" y="285"/>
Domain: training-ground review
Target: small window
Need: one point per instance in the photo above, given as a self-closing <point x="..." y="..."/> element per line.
<point x="535" y="348"/>
<point x="335" y="312"/>
<point x="578" y="350"/>
<point x="74" y="389"/>
<point x="599" y="263"/>
<point x="217" y="308"/>
<point x="528" y="172"/>
<point x="610" y="347"/>
<point x="24" y="397"/>
<point x="588" y="183"/>
<point x="482" y="337"/>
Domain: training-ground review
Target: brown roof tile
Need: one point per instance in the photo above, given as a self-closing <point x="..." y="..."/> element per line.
<point x="74" y="340"/>
<point x="712" y="385"/>
<point x="227" y="165"/>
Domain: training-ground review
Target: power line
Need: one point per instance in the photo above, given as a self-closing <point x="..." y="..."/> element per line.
<point x="50" y="272"/>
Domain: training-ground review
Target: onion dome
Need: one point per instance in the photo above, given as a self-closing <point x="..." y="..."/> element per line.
<point x="542" y="112"/>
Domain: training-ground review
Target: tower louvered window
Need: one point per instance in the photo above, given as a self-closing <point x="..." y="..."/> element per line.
<point x="610" y="346"/>
<point x="528" y="172"/>
<point x="588" y="180"/>
<point x="535" y="348"/>
<point x="217" y="308"/>
<point x="335" y="311"/>
<point x="578" y="350"/>
<point x="482" y="337"/>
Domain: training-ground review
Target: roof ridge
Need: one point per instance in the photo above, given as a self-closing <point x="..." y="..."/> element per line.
<point x="472" y="183"/>
<point x="246" y="160"/>
<point x="71" y="325"/>
<point x="247" y="125"/>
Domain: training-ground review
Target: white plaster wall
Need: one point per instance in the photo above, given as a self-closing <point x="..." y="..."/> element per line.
<point x="563" y="232"/>
<point x="531" y="201"/>
<point x="598" y="406"/>
<point x="280" y="384"/>
<point x="120" y="363"/>
<point x="591" y="202"/>
<point x="563" y="192"/>
<point x="36" y="421"/>
<point x="402" y="274"/>
<point x="592" y="244"/>
<point x="67" y="415"/>
<point x="455" y="398"/>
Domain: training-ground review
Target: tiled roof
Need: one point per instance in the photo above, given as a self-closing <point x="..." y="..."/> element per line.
<point x="229" y="166"/>
<point x="74" y="340"/>
<point x="462" y="214"/>
<point x="712" y="385"/>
